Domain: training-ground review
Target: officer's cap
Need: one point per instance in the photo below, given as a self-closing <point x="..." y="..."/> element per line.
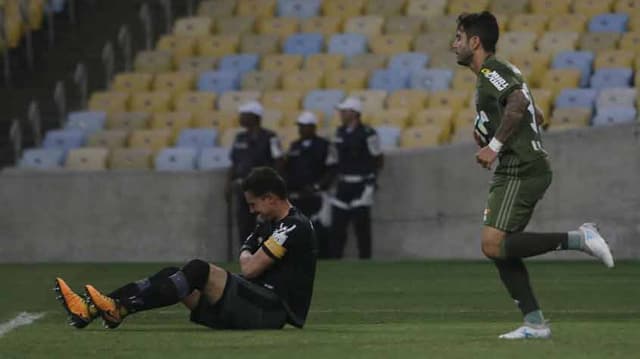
<point x="253" y="107"/>
<point x="307" y="118"/>
<point x="350" y="103"/>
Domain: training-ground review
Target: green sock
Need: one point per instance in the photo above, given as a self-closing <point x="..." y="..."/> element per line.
<point x="574" y="241"/>
<point x="534" y="317"/>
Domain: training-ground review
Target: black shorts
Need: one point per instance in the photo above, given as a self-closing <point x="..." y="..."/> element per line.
<point x="244" y="305"/>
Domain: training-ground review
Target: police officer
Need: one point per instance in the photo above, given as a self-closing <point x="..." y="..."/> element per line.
<point x="359" y="160"/>
<point x="254" y="147"/>
<point x="308" y="173"/>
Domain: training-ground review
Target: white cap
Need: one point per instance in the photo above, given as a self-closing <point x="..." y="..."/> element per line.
<point x="350" y="103"/>
<point x="307" y="118"/>
<point x="253" y="107"/>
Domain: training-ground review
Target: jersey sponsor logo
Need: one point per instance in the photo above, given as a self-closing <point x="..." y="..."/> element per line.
<point x="495" y="79"/>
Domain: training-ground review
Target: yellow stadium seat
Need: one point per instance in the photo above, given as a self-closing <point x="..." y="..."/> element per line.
<point x="395" y="117"/>
<point x="257" y="8"/>
<point x="173" y="121"/>
<point x="304" y="80"/>
<point x="282" y="62"/>
<point x="591" y="8"/>
<point x="440" y="117"/>
<point x="630" y="41"/>
<point x="509" y="6"/>
<point x="131" y="159"/>
<point x="566" y="118"/>
<point x="287" y="135"/>
<point x="231" y="100"/>
<point x="512" y="42"/>
<point x="195" y="101"/>
<point x="181" y="47"/>
<point x="218" y="45"/>
<point x="385" y="8"/>
<point x="132" y="82"/>
<point x="543" y="98"/>
<point x="289" y="118"/>
<point x="324" y="62"/>
<point x="627" y="6"/>
<point x="128" y="121"/>
<point x="421" y="137"/>
<point x="454" y="100"/>
<point x="462" y="135"/>
<point x="465" y="119"/>
<point x="464" y="79"/>
<point x="444" y="24"/>
<point x="174" y="82"/>
<point x="390" y="44"/>
<point x="280" y="26"/>
<point x="457" y="7"/>
<point x="109" y="101"/>
<point x="558" y="79"/>
<point x="347" y="80"/>
<point x="367" y="25"/>
<point x="372" y="100"/>
<point x="192" y="26"/>
<point x="197" y="65"/>
<point x="109" y="139"/>
<point x="151" y="102"/>
<point x="282" y="100"/>
<point x="260" y="44"/>
<point x="553" y="42"/>
<point x="153" y="140"/>
<point x="228" y="136"/>
<point x="634" y="21"/>
<point x="446" y="60"/>
<point x="412" y="100"/>
<point x="325" y="25"/>
<point x="153" y="61"/>
<point x="433" y="42"/>
<point x="87" y="159"/>
<point x="261" y="81"/>
<point x="596" y="41"/>
<point x="13" y="31"/>
<point x="236" y="25"/>
<point x="341" y="8"/>
<point x="550" y="7"/>
<point x="532" y="65"/>
<point x="403" y="25"/>
<point x="567" y="22"/>
<point x="529" y="22"/>
<point x="216" y="9"/>
<point x="426" y="8"/>
<point x="215" y="119"/>
<point x="272" y="119"/>
<point x="367" y="62"/>
<point x="614" y="58"/>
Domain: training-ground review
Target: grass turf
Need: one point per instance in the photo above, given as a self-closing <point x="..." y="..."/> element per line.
<point x="359" y="310"/>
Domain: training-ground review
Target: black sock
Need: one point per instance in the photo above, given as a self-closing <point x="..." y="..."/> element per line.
<point x="515" y="278"/>
<point x="523" y="244"/>
<point x="135" y="288"/>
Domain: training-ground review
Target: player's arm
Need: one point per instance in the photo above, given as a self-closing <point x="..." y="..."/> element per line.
<point x="515" y="107"/>
<point x="253" y="265"/>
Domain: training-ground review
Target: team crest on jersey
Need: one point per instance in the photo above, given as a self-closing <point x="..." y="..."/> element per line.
<point x="495" y="79"/>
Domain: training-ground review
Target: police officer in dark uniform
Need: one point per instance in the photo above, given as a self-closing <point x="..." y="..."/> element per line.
<point x="359" y="160"/>
<point x="254" y="147"/>
<point x="308" y="173"/>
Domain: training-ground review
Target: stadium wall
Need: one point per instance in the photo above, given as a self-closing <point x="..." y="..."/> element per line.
<point x="429" y="205"/>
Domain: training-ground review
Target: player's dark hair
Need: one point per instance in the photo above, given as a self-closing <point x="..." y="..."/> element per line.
<point x="265" y="180"/>
<point x="483" y="25"/>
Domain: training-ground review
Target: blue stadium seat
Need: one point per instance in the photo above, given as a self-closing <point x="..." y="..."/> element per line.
<point x="389" y="80"/>
<point x="64" y="139"/>
<point x="87" y="121"/>
<point x="239" y="63"/>
<point x="389" y="137"/>
<point x="299" y="8"/>
<point x="607" y="78"/>
<point x="214" y="158"/>
<point x="572" y="98"/>
<point x="409" y="61"/>
<point x="582" y="60"/>
<point x="197" y="138"/>
<point x="617" y="97"/>
<point x="42" y="158"/>
<point x="176" y="159"/>
<point x="615" y="22"/>
<point x="614" y="115"/>
<point x="348" y="44"/>
<point x="304" y="44"/>
<point x="219" y="81"/>
<point x="323" y="100"/>
<point x="431" y="79"/>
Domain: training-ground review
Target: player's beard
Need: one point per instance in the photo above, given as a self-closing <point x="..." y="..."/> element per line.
<point x="464" y="57"/>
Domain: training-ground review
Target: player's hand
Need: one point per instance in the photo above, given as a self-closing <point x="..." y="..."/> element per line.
<point x="485" y="157"/>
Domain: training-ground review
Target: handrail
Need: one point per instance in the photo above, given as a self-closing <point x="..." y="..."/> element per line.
<point x="168" y="15"/>
<point x="60" y="99"/>
<point x="108" y="60"/>
<point x="147" y="25"/>
<point x="124" y="42"/>
<point x="33" y="116"/>
<point x="81" y="79"/>
<point x="15" y="134"/>
<point x="24" y="16"/>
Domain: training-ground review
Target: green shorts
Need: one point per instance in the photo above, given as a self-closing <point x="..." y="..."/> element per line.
<point x="512" y="198"/>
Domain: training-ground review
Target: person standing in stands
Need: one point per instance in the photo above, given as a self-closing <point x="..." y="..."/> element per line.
<point x="254" y="147"/>
<point x="359" y="160"/>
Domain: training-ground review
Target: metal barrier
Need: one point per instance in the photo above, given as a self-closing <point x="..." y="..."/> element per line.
<point x="147" y="25"/>
<point x="124" y="42"/>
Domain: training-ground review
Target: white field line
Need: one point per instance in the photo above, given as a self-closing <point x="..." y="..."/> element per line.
<point x="21" y="319"/>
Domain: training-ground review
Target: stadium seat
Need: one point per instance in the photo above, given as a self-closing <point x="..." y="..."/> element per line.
<point x="581" y="60"/>
<point x="536" y="23"/>
<point x="259" y="44"/>
<point x="272" y="119"/>
<point x="462" y="135"/>
<point x="432" y="42"/>
<point x="173" y="121"/>
<point x="614" y="115"/>
<point x="232" y="100"/>
<point x="421" y="137"/>
<point x="281" y="62"/>
<point x="176" y="159"/>
<point x="389" y="80"/>
<point x="597" y="41"/>
<point x="578" y="97"/>
<point x="384" y="8"/>
<point x="239" y="63"/>
<point x="299" y="8"/>
<point x="542" y="97"/>
<point x="324" y="62"/>
<point x="304" y="44"/>
<point x="228" y="136"/>
<point x="282" y="100"/>
<point x="467" y="6"/>
<point x="192" y="26"/>
<point x="218" y="120"/>
<point x="614" y="22"/>
<point x="389" y="137"/>
<point x="564" y="118"/>
<point x="197" y="138"/>
<point x="217" y="9"/>
<point x="366" y="25"/>
<point x="348" y="44"/>
<point x="557" y="79"/>
<point x="87" y="159"/>
<point x="132" y="82"/>
<point x="412" y="100"/>
<point x="64" y="139"/>
<point x="607" y="78"/>
<point x="195" y="101"/>
<point x="567" y="22"/>
<point x="592" y="8"/>
<point x="509" y="6"/>
<point x="180" y="47"/>
<point x="154" y="140"/>
<point x="426" y="8"/>
<point x="454" y="100"/>
<point x="463" y="79"/>
<point x="550" y="7"/>
<point x="261" y="81"/>
<point x="346" y="80"/>
<point x="369" y="62"/>
<point x="42" y="159"/>
<point x="555" y="42"/>
<point x="431" y="79"/>
<point x="282" y="27"/>
<point x="407" y="25"/>
<point x="630" y="41"/>
<point x="197" y="64"/>
<point x="409" y="61"/>
<point x="304" y="80"/>
<point x="175" y="83"/>
<point x="372" y="100"/>
<point x="128" y="120"/>
<point x="151" y="102"/>
<point x="516" y="41"/>
<point x="393" y="117"/>
<point x="323" y="100"/>
<point x="109" y="101"/>
<point x="153" y="61"/>
<point x="218" y="81"/>
<point x="614" y="59"/>
<point x="130" y="159"/>
<point x="87" y="121"/>
<point x="438" y="117"/>
<point x="617" y="97"/>
<point x="286" y="136"/>
<point x="213" y="159"/>
<point x="532" y="65"/>
<point x="108" y="139"/>
<point x="344" y="9"/>
<point x="390" y="44"/>
<point x="443" y="24"/>
<point x="218" y="45"/>
<point x="325" y="25"/>
<point x="236" y="26"/>
<point x="257" y="8"/>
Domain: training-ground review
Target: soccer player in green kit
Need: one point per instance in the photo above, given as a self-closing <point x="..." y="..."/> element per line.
<point x="506" y="129"/>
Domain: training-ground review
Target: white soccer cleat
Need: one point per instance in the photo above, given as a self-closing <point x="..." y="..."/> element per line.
<point x="529" y="331"/>
<point x="595" y="245"/>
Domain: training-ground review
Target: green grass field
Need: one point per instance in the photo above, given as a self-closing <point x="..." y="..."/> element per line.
<point x="359" y="310"/>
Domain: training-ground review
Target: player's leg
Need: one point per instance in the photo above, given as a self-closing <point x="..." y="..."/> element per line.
<point x="362" y="226"/>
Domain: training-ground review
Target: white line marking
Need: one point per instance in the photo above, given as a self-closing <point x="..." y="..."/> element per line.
<point x="23" y="318"/>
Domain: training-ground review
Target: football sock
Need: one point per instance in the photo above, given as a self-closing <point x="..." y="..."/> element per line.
<point x="523" y="244"/>
<point x="534" y="317"/>
<point x="515" y="278"/>
<point x="575" y="241"/>
<point x="134" y="288"/>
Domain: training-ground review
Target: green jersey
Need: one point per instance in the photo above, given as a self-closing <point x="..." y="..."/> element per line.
<point x="497" y="80"/>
